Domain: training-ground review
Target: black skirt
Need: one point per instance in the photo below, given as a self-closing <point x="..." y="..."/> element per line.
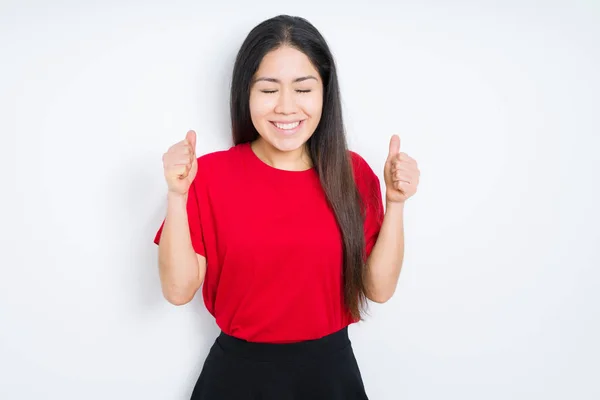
<point x="312" y="370"/>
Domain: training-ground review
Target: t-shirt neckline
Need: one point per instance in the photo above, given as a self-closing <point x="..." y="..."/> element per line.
<point x="270" y="169"/>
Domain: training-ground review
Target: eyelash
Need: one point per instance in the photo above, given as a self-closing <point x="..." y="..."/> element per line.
<point x="273" y="91"/>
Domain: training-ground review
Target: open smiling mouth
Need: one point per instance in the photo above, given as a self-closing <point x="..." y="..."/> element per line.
<point x="288" y="128"/>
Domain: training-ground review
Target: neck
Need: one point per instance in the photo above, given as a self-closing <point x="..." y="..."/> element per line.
<point x="294" y="160"/>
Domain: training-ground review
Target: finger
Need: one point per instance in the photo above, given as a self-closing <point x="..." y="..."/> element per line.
<point x="405" y="175"/>
<point x="401" y="156"/>
<point x="403" y="179"/>
<point x="191" y="139"/>
<point x="182" y="161"/>
<point x="178" y="158"/>
<point x="402" y="186"/>
<point x="394" y="146"/>
<point x="186" y="149"/>
<point x="401" y="175"/>
<point x="180" y="171"/>
<point x="402" y="167"/>
<point x="409" y="176"/>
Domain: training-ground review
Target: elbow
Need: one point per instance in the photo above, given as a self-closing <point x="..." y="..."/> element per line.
<point x="178" y="297"/>
<point x="379" y="299"/>
<point x="380" y="296"/>
<point x="178" y="300"/>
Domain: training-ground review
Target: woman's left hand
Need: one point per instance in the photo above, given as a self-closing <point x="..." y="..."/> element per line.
<point x="401" y="174"/>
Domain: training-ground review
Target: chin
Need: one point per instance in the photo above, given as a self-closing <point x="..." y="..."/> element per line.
<point x="288" y="144"/>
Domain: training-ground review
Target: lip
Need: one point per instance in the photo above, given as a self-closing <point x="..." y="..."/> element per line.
<point x="288" y="131"/>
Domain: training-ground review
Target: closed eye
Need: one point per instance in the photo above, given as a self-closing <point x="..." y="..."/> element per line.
<point x="298" y="91"/>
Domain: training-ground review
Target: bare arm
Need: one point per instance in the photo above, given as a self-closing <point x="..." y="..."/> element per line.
<point x="181" y="269"/>
<point x="385" y="262"/>
<point x="401" y="175"/>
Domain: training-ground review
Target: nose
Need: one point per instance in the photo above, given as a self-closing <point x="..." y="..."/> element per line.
<point x="286" y="103"/>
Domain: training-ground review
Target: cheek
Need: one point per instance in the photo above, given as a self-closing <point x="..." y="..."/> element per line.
<point x="312" y="105"/>
<point x="260" y="106"/>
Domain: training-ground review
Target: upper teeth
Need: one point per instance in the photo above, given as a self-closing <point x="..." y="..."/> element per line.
<point x="287" y="126"/>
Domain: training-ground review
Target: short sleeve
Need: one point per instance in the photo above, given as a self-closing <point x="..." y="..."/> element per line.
<point x="370" y="190"/>
<point x="374" y="214"/>
<point x="194" y="218"/>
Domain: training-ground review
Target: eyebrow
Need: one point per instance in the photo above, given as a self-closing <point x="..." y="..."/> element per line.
<point x="302" y="78"/>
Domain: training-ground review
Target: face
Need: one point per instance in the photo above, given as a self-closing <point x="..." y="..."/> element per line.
<point x="286" y="99"/>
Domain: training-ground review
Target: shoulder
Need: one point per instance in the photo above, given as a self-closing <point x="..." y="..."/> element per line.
<point x="362" y="169"/>
<point x="221" y="157"/>
<point x="367" y="181"/>
<point x="217" y="165"/>
<point x="222" y="161"/>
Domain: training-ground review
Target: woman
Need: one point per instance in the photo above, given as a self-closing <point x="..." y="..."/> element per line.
<point x="285" y="230"/>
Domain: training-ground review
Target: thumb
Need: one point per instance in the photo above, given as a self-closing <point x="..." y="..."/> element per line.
<point x="394" y="146"/>
<point x="191" y="138"/>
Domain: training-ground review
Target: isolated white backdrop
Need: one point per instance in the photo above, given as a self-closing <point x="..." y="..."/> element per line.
<point x="499" y="104"/>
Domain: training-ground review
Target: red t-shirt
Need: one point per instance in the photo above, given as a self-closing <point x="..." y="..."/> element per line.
<point x="272" y="246"/>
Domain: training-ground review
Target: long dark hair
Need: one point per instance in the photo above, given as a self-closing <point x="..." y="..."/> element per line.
<point x="327" y="147"/>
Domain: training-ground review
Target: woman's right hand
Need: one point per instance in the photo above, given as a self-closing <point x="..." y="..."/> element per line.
<point x="180" y="164"/>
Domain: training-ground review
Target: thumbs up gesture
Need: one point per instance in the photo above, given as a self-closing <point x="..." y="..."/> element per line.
<point x="401" y="174"/>
<point x="180" y="164"/>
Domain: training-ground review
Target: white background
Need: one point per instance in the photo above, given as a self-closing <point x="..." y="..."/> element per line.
<point x="498" y="102"/>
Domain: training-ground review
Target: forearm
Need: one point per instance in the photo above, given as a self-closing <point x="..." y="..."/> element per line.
<point x="385" y="261"/>
<point x="178" y="263"/>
